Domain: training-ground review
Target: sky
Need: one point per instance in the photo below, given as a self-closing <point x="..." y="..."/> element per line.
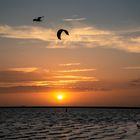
<point x="98" y="64"/>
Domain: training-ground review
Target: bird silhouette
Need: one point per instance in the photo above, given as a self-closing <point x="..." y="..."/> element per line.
<point x="38" y="19"/>
<point x="59" y="32"/>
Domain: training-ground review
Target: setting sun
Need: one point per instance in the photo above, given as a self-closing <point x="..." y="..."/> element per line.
<point x="60" y="97"/>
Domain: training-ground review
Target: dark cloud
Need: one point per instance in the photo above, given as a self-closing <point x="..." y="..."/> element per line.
<point x="24" y="89"/>
<point x="90" y="86"/>
<point x="131" y="34"/>
<point x="38" y="89"/>
<point x="135" y="82"/>
<point x="88" y="89"/>
<point x="20" y="76"/>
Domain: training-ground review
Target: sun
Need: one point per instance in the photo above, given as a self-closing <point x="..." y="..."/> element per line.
<point x="60" y="97"/>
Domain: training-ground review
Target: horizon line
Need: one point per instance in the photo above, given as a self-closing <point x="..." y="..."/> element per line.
<point x="100" y="107"/>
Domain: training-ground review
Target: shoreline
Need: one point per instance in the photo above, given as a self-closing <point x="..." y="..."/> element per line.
<point x="94" y="107"/>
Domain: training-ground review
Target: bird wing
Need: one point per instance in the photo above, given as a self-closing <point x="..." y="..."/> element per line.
<point x="39" y="18"/>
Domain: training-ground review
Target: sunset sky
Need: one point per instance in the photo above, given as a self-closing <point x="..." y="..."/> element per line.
<point x="98" y="64"/>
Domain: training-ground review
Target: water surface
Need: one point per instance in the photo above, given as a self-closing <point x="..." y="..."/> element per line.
<point x="75" y="124"/>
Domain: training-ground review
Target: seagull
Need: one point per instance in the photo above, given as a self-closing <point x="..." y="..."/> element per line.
<point x="38" y="19"/>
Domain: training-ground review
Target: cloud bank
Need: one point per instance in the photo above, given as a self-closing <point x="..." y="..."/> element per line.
<point x="81" y="36"/>
<point x="132" y="68"/>
<point x="40" y="77"/>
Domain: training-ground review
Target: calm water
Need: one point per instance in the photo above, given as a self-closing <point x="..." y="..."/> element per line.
<point x="82" y="124"/>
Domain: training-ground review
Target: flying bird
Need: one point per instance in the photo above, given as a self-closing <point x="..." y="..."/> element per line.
<point x="59" y="32"/>
<point x="38" y="19"/>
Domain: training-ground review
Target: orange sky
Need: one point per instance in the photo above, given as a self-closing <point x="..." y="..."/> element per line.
<point x="97" y="64"/>
<point x="118" y="98"/>
<point x="93" y="77"/>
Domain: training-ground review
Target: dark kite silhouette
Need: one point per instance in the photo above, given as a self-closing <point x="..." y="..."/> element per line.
<point x="59" y="32"/>
<point x="39" y="19"/>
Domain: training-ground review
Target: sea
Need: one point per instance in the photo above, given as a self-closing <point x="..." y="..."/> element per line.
<point x="69" y="123"/>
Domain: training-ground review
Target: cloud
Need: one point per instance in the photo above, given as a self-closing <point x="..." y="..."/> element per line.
<point x="70" y="64"/>
<point x="80" y="36"/>
<point x="84" y="89"/>
<point x="24" y="89"/>
<point x="38" y="89"/>
<point x="27" y="32"/>
<point x="135" y="82"/>
<point x="132" y="68"/>
<point x="136" y="39"/>
<point x="25" y="77"/>
<point x="23" y="69"/>
<point x="75" y="70"/>
<point x="32" y="79"/>
<point x="78" y="78"/>
<point x="74" y="19"/>
<point x="22" y="76"/>
<point x="33" y="76"/>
